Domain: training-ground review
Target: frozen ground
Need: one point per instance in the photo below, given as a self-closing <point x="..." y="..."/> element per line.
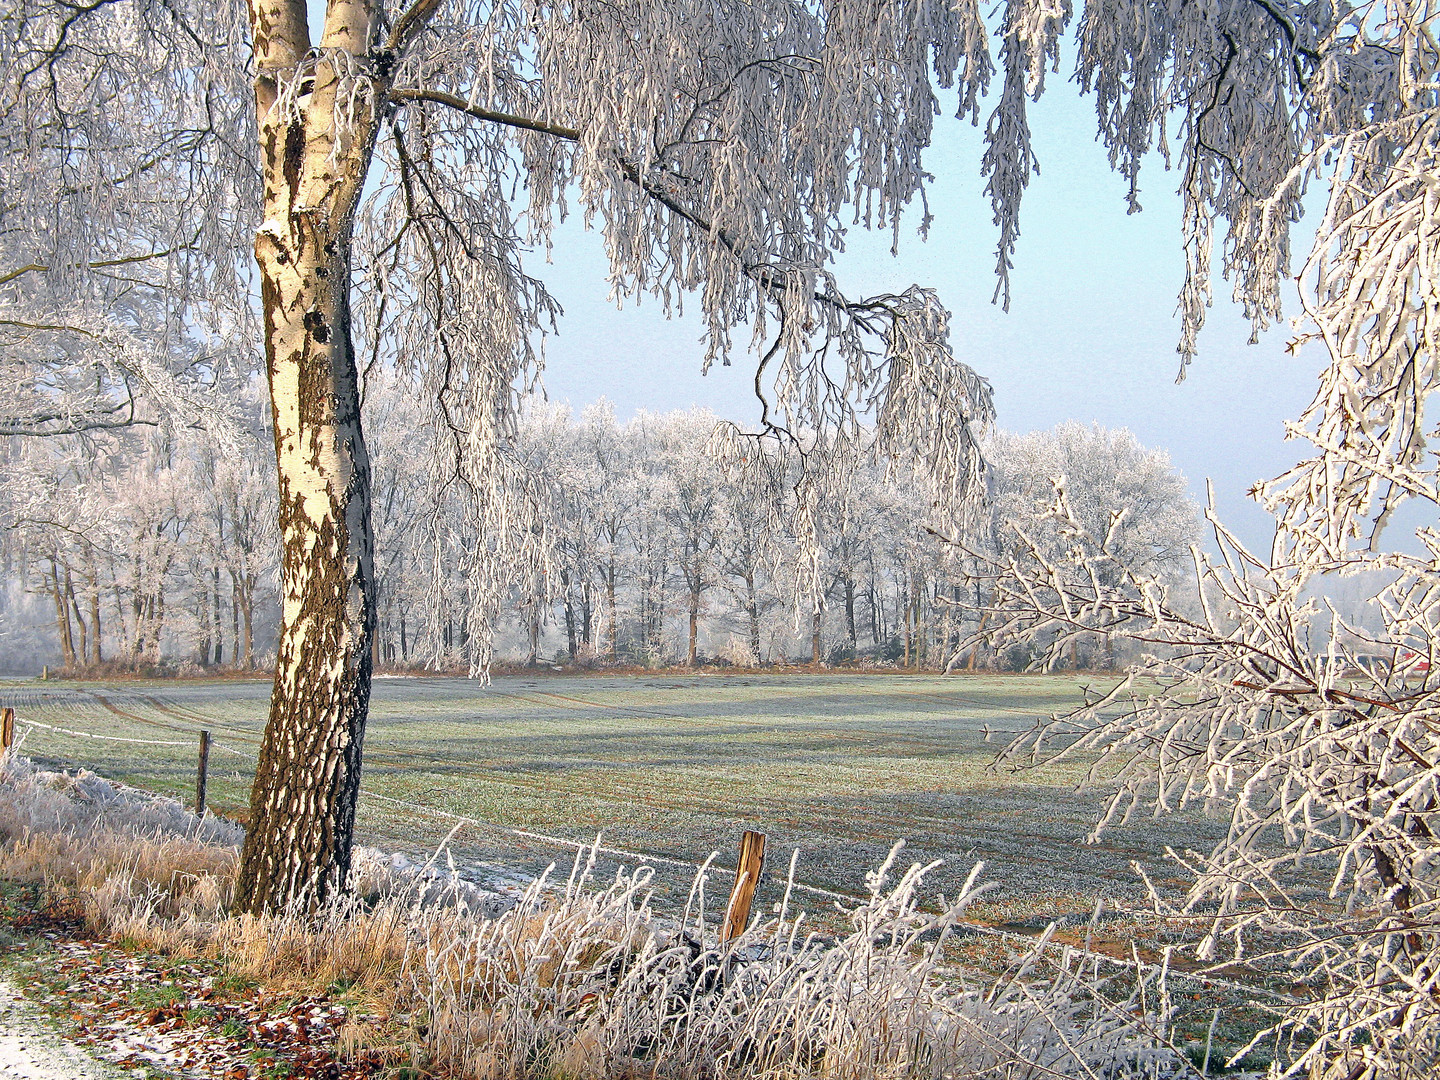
<point x="836" y="766"/>
<point x="31" y="1051"/>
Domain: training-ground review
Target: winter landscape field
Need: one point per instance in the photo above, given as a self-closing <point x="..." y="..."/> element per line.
<point x="836" y="766"/>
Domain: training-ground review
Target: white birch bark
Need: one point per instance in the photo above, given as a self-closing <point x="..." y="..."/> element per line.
<point x="302" y="810"/>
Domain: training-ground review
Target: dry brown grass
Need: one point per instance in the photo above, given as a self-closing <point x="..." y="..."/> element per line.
<point x="580" y="981"/>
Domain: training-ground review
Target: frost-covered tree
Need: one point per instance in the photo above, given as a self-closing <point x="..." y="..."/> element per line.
<point x="720" y="150"/>
<point x="1117" y="490"/>
<point x="1114" y="486"/>
<point x="1325" y="754"/>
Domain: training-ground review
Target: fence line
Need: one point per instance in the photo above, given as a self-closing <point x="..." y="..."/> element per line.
<point x="557" y="841"/>
<point x="121" y="738"/>
<point x="103" y="738"/>
<point x="1137" y="965"/>
<point x="590" y="845"/>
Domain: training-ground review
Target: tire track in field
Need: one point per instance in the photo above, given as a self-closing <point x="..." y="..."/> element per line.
<point x="776" y="726"/>
<point x="208" y="723"/>
<point x="71" y="703"/>
<point x="646" y="713"/>
<point x="84" y="697"/>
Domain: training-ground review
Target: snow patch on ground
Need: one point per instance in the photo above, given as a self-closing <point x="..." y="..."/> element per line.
<point x="29" y="1051"/>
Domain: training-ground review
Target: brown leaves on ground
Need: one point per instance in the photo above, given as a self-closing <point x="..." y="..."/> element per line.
<point x="182" y="1018"/>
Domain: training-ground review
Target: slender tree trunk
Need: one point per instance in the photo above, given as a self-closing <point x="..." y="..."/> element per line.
<point x="610" y="606"/>
<point x="752" y="610"/>
<point x="137" y="605"/>
<point x="815" y="638"/>
<point x="850" y="613"/>
<point x="234" y="619"/>
<point x="62" y="617"/>
<point x="82" y="651"/>
<point x="202" y="614"/>
<point x="904" y="601"/>
<point x="568" y="608"/>
<point x="157" y="629"/>
<point x="302" y="807"/>
<point x="248" y="622"/>
<point x="693" y="610"/>
<point x="219" y="630"/>
<point x="119" y="608"/>
<point x="947" y="625"/>
<point x="587" y="618"/>
<point x="658" y="614"/>
<point x="96" y="657"/>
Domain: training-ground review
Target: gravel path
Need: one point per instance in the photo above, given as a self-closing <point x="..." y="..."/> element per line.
<point x="30" y="1051"/>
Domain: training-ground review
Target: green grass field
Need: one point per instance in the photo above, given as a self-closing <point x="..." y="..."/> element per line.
<point x="836" y="766"/>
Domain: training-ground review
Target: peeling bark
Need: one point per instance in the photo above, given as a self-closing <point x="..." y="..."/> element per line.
<point x="302" y="807"/>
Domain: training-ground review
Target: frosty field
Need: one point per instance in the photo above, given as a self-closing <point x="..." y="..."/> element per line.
<point x="836" y="766"/>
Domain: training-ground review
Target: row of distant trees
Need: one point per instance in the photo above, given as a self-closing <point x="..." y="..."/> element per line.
<point x="145" y="547"/>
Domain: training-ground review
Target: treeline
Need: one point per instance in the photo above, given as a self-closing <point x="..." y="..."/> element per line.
<point x="139" y="547"/>
<point x="150" y="548"/>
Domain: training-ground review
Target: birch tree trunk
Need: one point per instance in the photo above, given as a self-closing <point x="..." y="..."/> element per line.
<point x="302" y="807"/>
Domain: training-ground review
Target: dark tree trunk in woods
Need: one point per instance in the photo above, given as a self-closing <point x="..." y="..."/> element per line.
<point x="533" y="656"/>
<point x="850" y="613"/>
<point x="571" y="644"/>
<point x="752" y="612"/>
<point x="62" y="617"/>
<point x="202" y="613"/>
<point x="219" y="656"/>
<point x="302" y="807"/>
<point x="82" y="651"/>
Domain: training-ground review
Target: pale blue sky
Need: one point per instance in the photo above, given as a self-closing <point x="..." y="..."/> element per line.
<point x="1090" y="334"/>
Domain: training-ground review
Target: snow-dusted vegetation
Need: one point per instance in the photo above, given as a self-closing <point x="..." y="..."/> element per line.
<point x="149" y="553"/>
<point x="581" y="977"/>
<point x="389" y="165"/>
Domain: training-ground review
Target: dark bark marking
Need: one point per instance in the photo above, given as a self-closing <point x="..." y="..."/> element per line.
<point x="315" y="325"/>
<point x="294" y="156"/>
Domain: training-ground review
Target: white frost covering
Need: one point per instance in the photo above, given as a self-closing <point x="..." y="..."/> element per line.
<point x="29" y="1051"/>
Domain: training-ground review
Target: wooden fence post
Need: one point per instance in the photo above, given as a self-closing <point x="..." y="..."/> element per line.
<point x="7" y="729"/>
<point x="747" y="876"/>
<point x="200" y="775"/>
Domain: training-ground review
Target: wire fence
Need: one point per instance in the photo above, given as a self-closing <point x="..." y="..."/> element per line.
<point x="1206" y="977"/>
